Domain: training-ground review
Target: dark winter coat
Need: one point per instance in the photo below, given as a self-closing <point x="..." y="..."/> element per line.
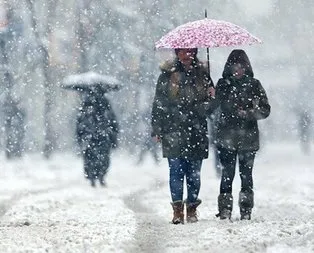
<point x="179" y="110"/>
<point x="238" y="131"/>
<point x="97" y="127"/>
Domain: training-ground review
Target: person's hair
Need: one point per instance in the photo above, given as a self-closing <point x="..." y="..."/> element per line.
<point x="194" y="50"/>
<point x="195" y="62"/>
<point x="199" y="71"/>
<point x="237" y="56"/>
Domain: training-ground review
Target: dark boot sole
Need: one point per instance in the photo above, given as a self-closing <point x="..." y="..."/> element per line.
<point x="177" y="221"/>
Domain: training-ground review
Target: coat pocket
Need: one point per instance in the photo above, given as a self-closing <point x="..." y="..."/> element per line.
<point x="171" y="143"/>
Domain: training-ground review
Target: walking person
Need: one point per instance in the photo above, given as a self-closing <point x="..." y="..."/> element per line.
<point x="305" y="127"/>
<point x="147" y="145"/>
<point x="242" y="102"/>
<point x="182" y="98"/>
<point x="97" y="131"/>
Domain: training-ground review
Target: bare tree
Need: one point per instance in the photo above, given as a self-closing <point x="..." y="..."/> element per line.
<point x="13" y="115"/>
<point x="42" y="44"/>
<point x="87" y="26"/>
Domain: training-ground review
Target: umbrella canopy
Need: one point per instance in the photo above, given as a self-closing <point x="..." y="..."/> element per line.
<point x="89" y="81"/>
<point x="207" y="33"/>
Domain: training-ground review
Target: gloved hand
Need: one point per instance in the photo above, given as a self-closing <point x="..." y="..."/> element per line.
<point x="156" y="138"/>
<point x="114" y="145"/>
<point x="245" y="114"/>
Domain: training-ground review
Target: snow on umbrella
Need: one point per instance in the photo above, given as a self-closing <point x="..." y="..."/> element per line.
<point x="207" y="33"/>
<point x="89" y="81"/>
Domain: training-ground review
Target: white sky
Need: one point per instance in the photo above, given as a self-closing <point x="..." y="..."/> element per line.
<point x="254" y="7"/>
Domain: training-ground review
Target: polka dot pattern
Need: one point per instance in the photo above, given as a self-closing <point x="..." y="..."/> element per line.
<point x="207" y="33"/>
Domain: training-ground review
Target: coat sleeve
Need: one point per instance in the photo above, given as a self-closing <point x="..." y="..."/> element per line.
<point x="84" y="129"/>
<point x="159" y="105"/>
<point x="208" y="106"/>
<point x="114" y="129"/>
<point x="79" y="129"/>
<point x="228" y="106"/>
<point x="261" y="107"/>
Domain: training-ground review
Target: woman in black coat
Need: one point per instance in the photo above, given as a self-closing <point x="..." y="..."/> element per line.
<point x="97" y="131"/>
<point x="182" y="97"/>
<point x="242" y="102"/>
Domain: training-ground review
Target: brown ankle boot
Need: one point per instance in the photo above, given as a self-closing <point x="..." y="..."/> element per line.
<point x="191" y="213"/>
<point x="178" y="215"/>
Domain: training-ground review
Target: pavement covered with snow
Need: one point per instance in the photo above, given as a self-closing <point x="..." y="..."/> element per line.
<point x="48" y="206"/>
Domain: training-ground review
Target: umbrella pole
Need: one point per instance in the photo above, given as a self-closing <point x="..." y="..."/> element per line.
<point x="207" y="52"/>
<point x="208" y="68"/>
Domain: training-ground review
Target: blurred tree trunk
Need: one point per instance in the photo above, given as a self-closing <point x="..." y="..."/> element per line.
<point x="14" y="116"/>
<point x="7" y="83"/>
<point x="49" y="135"/>
<point x="85" y="33"/>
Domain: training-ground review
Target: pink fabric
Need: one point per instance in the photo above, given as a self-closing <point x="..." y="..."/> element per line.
<point x="207" y="33"/>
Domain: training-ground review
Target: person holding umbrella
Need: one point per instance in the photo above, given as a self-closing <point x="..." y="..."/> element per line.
<point x="242" y="101"/>
<point x="96" y="124"/>
<point x="180" y="107"/>
<point x="183" y="95"/>
<point x="96" y="131"/>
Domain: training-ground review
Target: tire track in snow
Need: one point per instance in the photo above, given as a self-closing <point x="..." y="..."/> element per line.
<point x="151" y="229"/>
<point x="6" y="205"/>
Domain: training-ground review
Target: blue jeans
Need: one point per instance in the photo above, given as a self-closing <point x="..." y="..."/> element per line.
<point x="180" y="168"/>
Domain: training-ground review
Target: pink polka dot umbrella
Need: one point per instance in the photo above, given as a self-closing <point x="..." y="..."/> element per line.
<point x="207" y="33"/>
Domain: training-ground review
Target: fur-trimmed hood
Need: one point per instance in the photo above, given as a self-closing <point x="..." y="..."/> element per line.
<point x="174" y="65"/>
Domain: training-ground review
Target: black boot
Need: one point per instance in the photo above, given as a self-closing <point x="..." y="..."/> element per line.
<point x="246" y="203"/>
<point x="225" y="205"/>
<point x="102" y="181"/>
<point x="191" y="212"/>
<point x="92" y="182"/>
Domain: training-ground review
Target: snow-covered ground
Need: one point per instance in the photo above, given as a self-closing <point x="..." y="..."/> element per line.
<point x="47" y="206"/>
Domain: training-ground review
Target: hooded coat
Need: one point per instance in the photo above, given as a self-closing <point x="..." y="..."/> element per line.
<point x="180" y="109"/>
<point x="239" y="130"/>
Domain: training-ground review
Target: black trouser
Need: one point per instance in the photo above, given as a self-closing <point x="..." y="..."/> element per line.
<point x="228" y="159"/>
<point x="217" y="163"/>
<point x="96" y="163"/>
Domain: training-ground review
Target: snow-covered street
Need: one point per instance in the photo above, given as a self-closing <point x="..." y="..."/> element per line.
<point x="47" y="206"/>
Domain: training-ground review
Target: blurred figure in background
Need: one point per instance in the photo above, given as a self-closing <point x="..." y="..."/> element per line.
<point x="97" y="131"/>
<point x="242" y="101"/>
<point x="305" y="128"/>
<point x="146" y="143"/>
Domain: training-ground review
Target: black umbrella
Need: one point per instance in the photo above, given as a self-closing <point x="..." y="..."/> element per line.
<point x="91" y="81"/>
